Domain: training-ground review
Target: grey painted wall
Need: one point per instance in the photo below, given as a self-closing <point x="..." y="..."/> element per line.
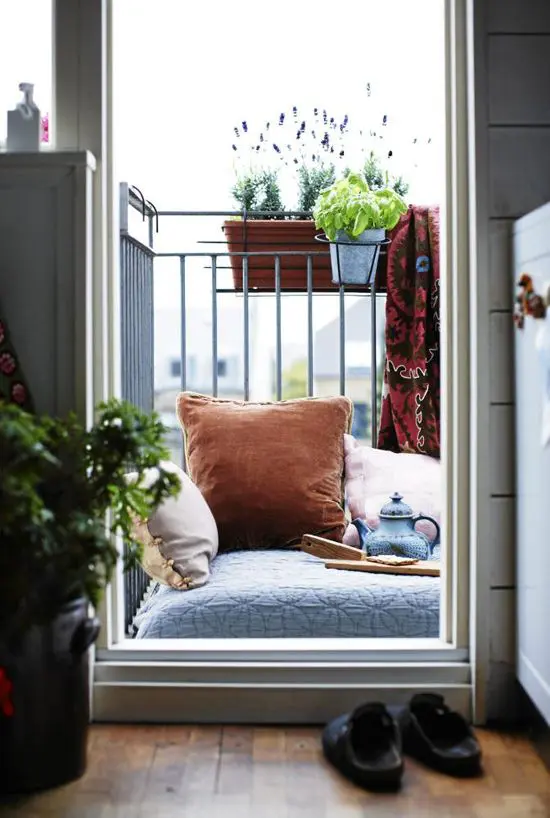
<point x="512" y="82"/>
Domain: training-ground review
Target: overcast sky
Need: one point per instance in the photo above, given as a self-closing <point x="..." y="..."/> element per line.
<point x="186" y="73"/>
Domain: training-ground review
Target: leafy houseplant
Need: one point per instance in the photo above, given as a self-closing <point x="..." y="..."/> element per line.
<point x="353" y="217"/>
<point x="60" y="483"/>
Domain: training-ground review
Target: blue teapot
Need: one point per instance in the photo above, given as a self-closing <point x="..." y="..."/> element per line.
<point x="396" y="532"/>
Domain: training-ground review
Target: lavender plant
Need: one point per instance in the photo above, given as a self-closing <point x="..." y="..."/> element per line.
<point x="297" y="155"/>
<point x="378" y="179"/>
<point x="258" y="191"/>
<point x="311" y="182"/>
<point x="288" y="149"/>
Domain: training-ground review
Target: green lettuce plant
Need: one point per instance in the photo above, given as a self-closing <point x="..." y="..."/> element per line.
<point x="349" y="205"/>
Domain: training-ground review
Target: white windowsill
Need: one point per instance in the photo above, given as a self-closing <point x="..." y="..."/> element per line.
<point x="213" y="681"/>
<point x="302" y="651"/>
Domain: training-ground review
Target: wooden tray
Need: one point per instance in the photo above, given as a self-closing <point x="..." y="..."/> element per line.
<point x="327" y="549"/>
<point x="422" y="568"/>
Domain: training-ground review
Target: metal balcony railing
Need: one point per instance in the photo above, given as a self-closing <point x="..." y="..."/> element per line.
<point x="137" y="345"/>
<point x="137" y="319"/>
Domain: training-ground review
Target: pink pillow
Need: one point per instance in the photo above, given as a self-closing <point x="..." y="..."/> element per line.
<point x="372" y="475"/>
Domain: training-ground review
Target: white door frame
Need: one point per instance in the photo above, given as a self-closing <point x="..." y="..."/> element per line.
<point x="477" y="162"/>
<point x="139" y="682"/>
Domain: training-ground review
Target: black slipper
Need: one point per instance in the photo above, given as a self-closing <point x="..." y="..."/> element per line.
<point x="365" y="746"/>
<point x="440" y="737"/>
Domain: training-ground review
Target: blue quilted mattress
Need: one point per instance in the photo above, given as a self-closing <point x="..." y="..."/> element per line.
<point x="262" y="594"/>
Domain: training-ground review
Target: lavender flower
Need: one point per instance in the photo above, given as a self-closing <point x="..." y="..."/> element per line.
<point x="345" y="120"/>
<point x="276" y="148"/>
<point x="281" y="119"/>
<point x="384" y="120"/>
<point x="234" y="147"/>
<point x="245" y="127"/>
<point x="236" y="131"/>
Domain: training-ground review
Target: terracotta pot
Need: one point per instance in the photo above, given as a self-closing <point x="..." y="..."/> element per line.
<point x="278" y="236"/>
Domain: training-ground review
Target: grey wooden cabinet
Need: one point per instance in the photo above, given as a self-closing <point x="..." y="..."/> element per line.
<point x="46" y="273"/>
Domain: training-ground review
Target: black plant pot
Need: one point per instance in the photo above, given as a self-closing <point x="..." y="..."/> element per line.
<point x="44" y="702"/>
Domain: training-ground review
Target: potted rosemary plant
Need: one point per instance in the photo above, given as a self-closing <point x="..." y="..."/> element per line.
<point x="63" y="497"/>
<point x="355" y="219"/>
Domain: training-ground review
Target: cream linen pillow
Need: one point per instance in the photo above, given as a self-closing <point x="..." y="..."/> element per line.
<point x="180" y="539"/>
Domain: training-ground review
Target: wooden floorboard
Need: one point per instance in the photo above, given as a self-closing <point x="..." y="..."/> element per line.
<point x="271" y="772"/>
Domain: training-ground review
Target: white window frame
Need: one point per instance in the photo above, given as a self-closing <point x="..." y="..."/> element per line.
<point x="284" y="680"/>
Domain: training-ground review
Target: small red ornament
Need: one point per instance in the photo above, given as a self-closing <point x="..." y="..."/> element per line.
<point x="6" y="687"/>
<point x="528" y="302"/>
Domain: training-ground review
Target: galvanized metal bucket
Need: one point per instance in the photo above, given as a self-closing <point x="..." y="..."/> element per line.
<point x="354" y="261"/>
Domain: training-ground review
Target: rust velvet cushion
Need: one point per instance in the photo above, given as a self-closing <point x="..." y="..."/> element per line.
<point x="270" y="472"/>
